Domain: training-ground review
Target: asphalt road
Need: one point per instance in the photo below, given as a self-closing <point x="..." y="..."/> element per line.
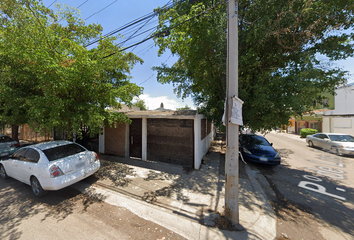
<point x="311" y="191"/>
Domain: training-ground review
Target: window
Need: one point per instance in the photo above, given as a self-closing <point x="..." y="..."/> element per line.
<point x="63" y="151"/>
<point x="325" y="103"/>
<point x="20" y="154"/>
<point x="32" y="155"/>
<point x="321" y="136"/>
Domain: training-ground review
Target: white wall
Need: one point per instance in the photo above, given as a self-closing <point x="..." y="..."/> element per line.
<point x="201" y="146"/>
<point x="101" y="143"/>
<point x="335" y="121"/>
<point x="334" y="124"/>
<point x="344" y="100"/>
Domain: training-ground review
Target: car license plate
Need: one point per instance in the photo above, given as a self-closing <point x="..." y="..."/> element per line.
<point x="79" y="165"/>
<point x="264" y="159"/>
<point x="4" y="154"/>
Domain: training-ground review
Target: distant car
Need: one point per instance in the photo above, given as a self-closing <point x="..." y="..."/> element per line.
<point x="50" y="165"/>
<point x="336" y="142"/>
<point x="7" y="145"/>
<point x="257" y="149"/>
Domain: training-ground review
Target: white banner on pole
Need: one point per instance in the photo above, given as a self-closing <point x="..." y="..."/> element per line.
<point x="236" y="111"/>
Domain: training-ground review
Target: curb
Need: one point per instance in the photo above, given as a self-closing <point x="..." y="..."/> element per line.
<point x="266" y="223"/>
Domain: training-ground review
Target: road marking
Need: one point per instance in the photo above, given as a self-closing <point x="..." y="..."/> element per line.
<point x="340" y="189"/>
<point x="319" y="189"/>
<point x="334" y="165"/>
<point x="309" y="177"/>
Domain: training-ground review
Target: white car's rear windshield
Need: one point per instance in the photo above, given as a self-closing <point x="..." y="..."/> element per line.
<point x="63" y="151"/>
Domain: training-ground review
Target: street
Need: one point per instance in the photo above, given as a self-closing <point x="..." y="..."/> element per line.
<point x="69" y="214"/>
<point x="311" y="191"/>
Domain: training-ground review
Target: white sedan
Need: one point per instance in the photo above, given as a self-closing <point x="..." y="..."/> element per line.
<point x="50" y="165"/>
<point x="336" y="142"/>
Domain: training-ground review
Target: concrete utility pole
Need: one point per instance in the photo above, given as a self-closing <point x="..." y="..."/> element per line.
<point x="232" y="130"/>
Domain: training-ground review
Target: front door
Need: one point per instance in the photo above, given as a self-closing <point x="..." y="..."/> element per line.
<point x="135" y="138"/>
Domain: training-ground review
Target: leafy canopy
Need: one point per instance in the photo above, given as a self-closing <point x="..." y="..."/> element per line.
<point x="48" y="79"/>
<point x="280" y="44"/>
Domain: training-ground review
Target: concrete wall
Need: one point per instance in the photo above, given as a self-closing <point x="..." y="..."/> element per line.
<point x="336" y="124"/>
<point x="202" y="145"/>
<point x="341" y="119"/>
<point x="344" y="100"/>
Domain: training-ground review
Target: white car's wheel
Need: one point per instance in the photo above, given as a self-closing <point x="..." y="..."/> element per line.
<point x="37" y="188"/>
<point x="310" y="143"/>
<point x="3" y="172"/>
<point x="338" y="152"/>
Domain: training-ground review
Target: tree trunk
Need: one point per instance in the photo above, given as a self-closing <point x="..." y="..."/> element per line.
<point x="15" y="132"/>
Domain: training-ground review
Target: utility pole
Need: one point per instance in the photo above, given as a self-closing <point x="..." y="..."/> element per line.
<point x="232" y="130"/>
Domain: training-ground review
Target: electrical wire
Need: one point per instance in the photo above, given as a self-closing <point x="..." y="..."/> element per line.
<point x="168" y="29"/>
<point x="102" y="9"/>
<point x="154" y="73"/>
<point x="82" y="4"/>
<point x="132" y="23"/>
<point x="52" y="3"/>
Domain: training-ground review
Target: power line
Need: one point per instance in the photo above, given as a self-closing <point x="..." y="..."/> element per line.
<point x="52" y="3"/>
<point x="159" y="34"/>
<point x="154" y="73"/>
<point x="132" y="23"/>
<point x="82" y="4"/>
<point x="102" y="9"/>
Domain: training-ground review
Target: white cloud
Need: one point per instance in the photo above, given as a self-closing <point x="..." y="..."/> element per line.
<point x="153" y="103"/>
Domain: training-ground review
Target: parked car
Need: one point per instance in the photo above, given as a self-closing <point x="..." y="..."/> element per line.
<point x="7" y="145"/>
<point x="338" y="143"/>
<point x="257" y="149"/>
<point x="50" y="165"/>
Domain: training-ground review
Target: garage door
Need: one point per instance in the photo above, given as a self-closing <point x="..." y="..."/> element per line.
<point x="171" y="141"/>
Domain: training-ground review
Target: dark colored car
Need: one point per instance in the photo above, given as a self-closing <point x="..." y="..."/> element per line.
<point x="257" y="149"/>
<point x="7" y="145"/>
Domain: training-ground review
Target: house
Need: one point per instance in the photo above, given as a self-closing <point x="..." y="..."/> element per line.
<point x="341" y="119"/>
<point x="312" y="119"/>
<point x="178" y="137"/>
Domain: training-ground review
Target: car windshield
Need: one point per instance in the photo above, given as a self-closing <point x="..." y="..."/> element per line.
<point x="254" y="140"/>
<point x="341" y="138"/>
<point x="62" y="151"/>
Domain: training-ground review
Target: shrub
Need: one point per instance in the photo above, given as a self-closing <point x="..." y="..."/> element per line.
<point x="307" y="131"/>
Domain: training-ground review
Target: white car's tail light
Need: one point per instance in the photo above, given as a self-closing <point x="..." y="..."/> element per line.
<point x="94" y="159"/>
<point x="55" y="171"/>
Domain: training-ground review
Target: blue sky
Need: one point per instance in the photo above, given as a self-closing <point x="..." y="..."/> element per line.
<point x="112" y="14"/>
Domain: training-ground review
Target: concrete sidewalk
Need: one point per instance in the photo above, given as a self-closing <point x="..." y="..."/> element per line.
<point x="188" y="202"/>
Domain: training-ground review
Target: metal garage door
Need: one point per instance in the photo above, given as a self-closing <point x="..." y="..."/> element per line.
<point x="171" y="141"/>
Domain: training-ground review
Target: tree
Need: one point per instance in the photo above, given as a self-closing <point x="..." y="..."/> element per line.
<point x="280" y="74"/>
<point x="49" y="79"/>
<point x="141" y="104"/>
<point x="184" y="108"/>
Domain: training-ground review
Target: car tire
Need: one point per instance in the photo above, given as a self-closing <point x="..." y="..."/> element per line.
<point x="37" y="189"/>
<point x="3" y="172"/>
<point x="338" y="152"/>
<point x="310" y="143"/>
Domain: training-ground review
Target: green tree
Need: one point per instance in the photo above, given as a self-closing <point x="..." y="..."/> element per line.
<point x="280" y="43"/>
<point x="184" y="108"/>
<point x="49" y="79"/>
<point x="141" y="104"/>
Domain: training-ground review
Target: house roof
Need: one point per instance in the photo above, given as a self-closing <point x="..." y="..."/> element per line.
<point x="317" y="112"/>
<point x="180" y="114"/>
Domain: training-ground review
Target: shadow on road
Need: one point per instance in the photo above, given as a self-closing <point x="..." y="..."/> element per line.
<point x="299" y="205"/>
<point x="17" y="204"/>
